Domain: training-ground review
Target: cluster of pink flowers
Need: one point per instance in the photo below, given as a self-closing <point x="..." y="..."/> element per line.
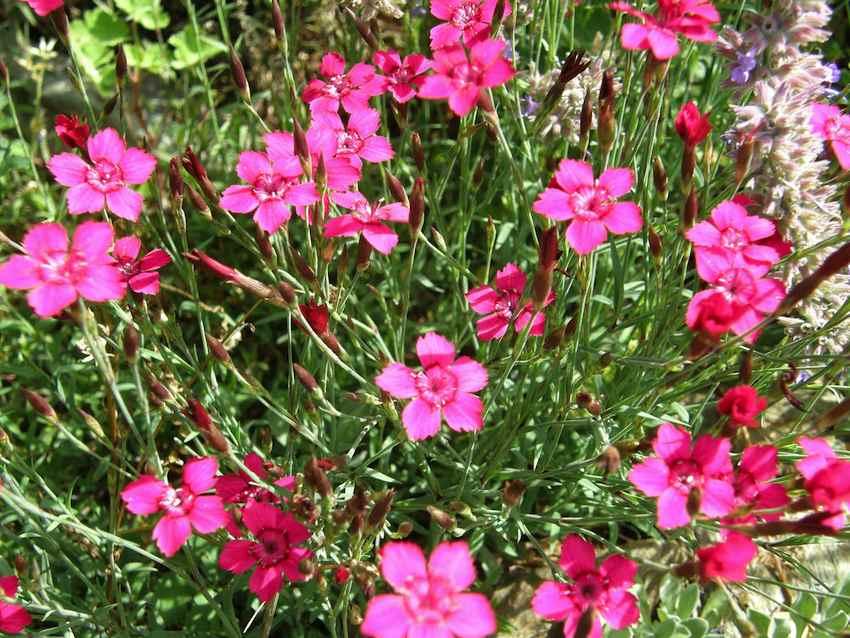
<point x="733" y="255"/>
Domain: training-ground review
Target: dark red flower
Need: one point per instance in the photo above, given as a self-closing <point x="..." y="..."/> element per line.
<point x="316" y="315"/>
<point x="71" y="130"/>
<point x="742" y="404"/>
<point x="691" y="125"/>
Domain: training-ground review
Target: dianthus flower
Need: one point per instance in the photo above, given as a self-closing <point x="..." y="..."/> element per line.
<point x="71" y="131"/>
<point x="597" y="590"/>
<point x="13" y="617"/>
<point x="367" y="218"/>
<point x="590" y="205"/>
<point x="691" y="125"/>
<point x="340" y="174"/>
<point x="430" y="598"/>
<point x="240" y="488"/>
<point x="469" y="20"/>
<point x="104" y="182"/>
<point x="461" y="79"/>
<point x="680" y="469"/>
<point x="183" y="508"/>
<point x="727" y="561"/>
<point x="355" y="141"/>
<point x="742" y="404"/>
<point x="45" y="7"/>
<point x="756" y="497"/>
<point x="276" y="551"/>
<point x="352" y="89"/>
<point x="827" y="480"/>
<point x="56" y="274"/>
<point x="833" y="126"/>
<point x="139" y="274"/>
<point x="500" y="305"/>
<point x="443" y="389"/>
<point x="272" y="188"/>
<point x="659" y="33"/>
<point x="402" y="77"/>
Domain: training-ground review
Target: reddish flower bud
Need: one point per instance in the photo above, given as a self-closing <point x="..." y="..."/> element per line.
<point x="287" y="292"/>
<point x="609" y="461"/>
<point x="418" y="151"/>
<point x="655" y="245"/>
<point x="220" y="270"/>
<point x="441" y="518"/>
<point x="659" y="177"/>
<point x="317" y="316"/>
<point x="131" y="343"/>
<point x="307" y="380"/>
<point x="120" y="64"/>
<point x="364" y="252"/>
<point x="263" y="243"/>
<point x="277" y="20"/>
<point x="218" y="350"/>
<point x="39" y="404"/>
<point x="175" y="179"/>
<point x="239" y="77"/>
<point x="380" y="509"/>
<point x="691" y="125"/>
<point x="690" y="210"/>
<point x="417" y="208"/>
<point x="397" y="189"/>
<point x="200" y="417"/>
<point x="743" y="157"/>
<point x="341" y="575"/>
<point x="586" y="116"/>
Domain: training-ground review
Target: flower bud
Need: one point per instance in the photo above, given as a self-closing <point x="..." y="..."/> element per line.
<point x="512" y="491"/>
<point x="60" y="22"/>
<point x="39" y="404"/>
<point x="745" y="371"/>
<point x="586" y="116"/>
<point x="306" y="379"/>
<point x="689" y="162"/>
<point x="364" y="252"/>
<point x="277" y="20"/>
<point x="655" y="245"/>
<point x="218" y="350"/>
<point x="4" y="70"/>
<point x="316" y="478"/>
<point x="131" y="343"/>
<point x="366" y="33"/>
<point x="302" y="147"/>
<point x="109" y="106"/>
<point x="404" y="530"/>
<point x="439" y="239"/>
<point x="441" y="518"/>
<point x="690" y="210"/>
<point x="573" y="66"/>
<point x="194" y="167"/>
<point x="263" y="243"/>
<point x="91" y="423"/>
<point x="659" y="177"/>
<point x="358" y="503"/>
<point x="358" y="522"/>
<point x="341" y="575"/>
<point x="555" y="337"/>
<point x="198" y="202"/>
<point x="120" y="65"/>
<point x="175" y="179"/>
<point x="417" y="208"/>
<point x="200" y="417"/>
<point x="397" y="189"/>
<point x="157" y="389"/>
<point x="380" y="509"/>
<point x="287" y="292"/>
<point x="609" y="461"/>
<point x="239" y="77"/>
<point x="743" y="157"/>
<point x="418" y="151"/>
<point x="307" y="566"/>
<point x="300" y="264"/>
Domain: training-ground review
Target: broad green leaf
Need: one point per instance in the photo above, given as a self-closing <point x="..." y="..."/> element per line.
<point x="148" y="13"/>
<point x="191" y="48"/>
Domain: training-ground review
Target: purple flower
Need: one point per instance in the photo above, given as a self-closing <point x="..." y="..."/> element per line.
<point x="528" y="106"/>
<point x="836" y="72"/>
<point x="746" y="62"/>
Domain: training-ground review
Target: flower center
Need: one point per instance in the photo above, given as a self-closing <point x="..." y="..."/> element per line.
<point x="176" y="502"/>
<point x="270" y="186"/>
<point x="337" y="86"/>
<point x="589" y="587"/>
<point x="686" y="475"/>
<point x="590" y="203"/>
<point x="271" y="548"/>
<point x="430" y="601"/>
<point x="733" y="239"/>
<point x="104" y="176"/>
<point x="348" y="143"/>
<point x="465" y="14"/>
<point x="436" y="385"/>
<point x="737" y="285"/>
<point x="60" y="267"/>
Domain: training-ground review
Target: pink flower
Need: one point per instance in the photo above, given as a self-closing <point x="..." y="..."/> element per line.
<point x="140" y="274"/>
<point x="573" y="194"/>
<point x="691" y="125"/>
<point x="593" y="589"/>
<point x="742" y="404"/>
<point x="367" y="219"/>
<point x="403" y="77"/>
<point x="731" y="231"/>
<point x="57" y="275"/>
<point x="355" y="142"/>
<point x="430" y="598"/>
<point x="501" y="306"/>
<point x="443" y="389"/>
<point x="71" y="130"/>
<point x="339" y="172"/>
<point x="103" y="183"/>
<point x="13" y="618"/>
<point x="755" y="495"/>
<point x="273" y="186"/>
<point x="690" y="18"/>
<point x="680" y="469"/>
<point x="239" y="488"/>
<point x="353" y="89"/>
<point x="183" y="508"/>
<point x="275" y="552"/>
<point x="750" y="297"/>
<point x="833" y="126"/>
<point x="827" y="480"/>
<point x="461" y="79"/>
<point x="712" y="315"/>
<point x="44" y="7"/>
<point x="727" y="561"/>
<point x="469" y="20"/>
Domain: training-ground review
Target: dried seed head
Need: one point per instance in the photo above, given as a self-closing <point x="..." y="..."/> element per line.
<point x="316" y="478"/>
<point x="512" y="491"/>
<point x="358" y="503"/>
<point x="380" y="509"/>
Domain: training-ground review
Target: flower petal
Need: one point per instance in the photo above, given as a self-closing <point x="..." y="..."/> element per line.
<point x="400" y="561"/>
<point x="453" y="562"/>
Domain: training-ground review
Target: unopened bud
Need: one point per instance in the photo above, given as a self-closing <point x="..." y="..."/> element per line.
<point x="4" y="71"/>
<point x="358" y="503"/>
<point x="606" y="127"/>
<point x="218" y="350"/>
<point x="200" y="417"/>
<point x="548" y="250"/>
<point x="439" y="239"/>
<point x="60" y="23"/>
<point x="397" y="189"/>
<point x="659" y="178"/>
<point x="263" y="243"/>
<point x="555" y="337"/>
<point x="239" y="77"/>
<point x="316" y="478"/>
<point x="158" y="389"/>
<point x="198" y="202"/>
<point x="91" y="423"/>
<point x="606" y="87"/>
<point x="690" y="210"/>
<point x="609" y="461"/>
<point x="120" y="64"/>
<point x="39" y="404"/>
<point x="364" y="252"/>
<point x="512" y="492"/>
<point x="418" y="151"/>
<point x="417" y="208"/>
<point x="689" y="162"/>
<point x="287" y="292"/>
<point x="743" y="157"/>
<point x="541" y="286"/>
<point x="131" y="343"/>
<point x="302" y="147"/>
<point x="380" y="509"/>
<point x="277" y="20"/>
<point x="441" y="518"/>
<point x="300" y="264"/>
<point x="745" y="371"/>
<point x="110" y="106"/>
<point x="654" y="243"/>
<point x="307" y="566"/>
<point x="305" y="378"/>
<point x="366" y="33"/>
<point x="175" y="179"/>
<point x="404" y="530"/>
<point x="586" y="116"/>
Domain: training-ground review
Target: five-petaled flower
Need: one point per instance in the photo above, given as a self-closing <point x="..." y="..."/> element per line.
<point x="827" y="480"/>
<point x="402" y="77"/>
<point x="681" y="471"/>
<point x="276" y="551"/>
<point x="13" y="617"/>
<point x="272" y="188"/>
<point x="501" y="305"/>
<point x="833" y="126"/>
<point x="352" y="89"/>
<point x="756" y="498"/>
<point x="443" y="389"/>
<point x="56" y="274"/>
<point x="659" y="33"/>
<point x="590" y="205"/>
<point x="367" y="218"/>
<point x="357" y="141"/>
<point x="596" y="590"/>
<point x="727" y="561"/>
<point x="742" y="404"/>
<point x="429" y="598"/>
<point x="140" y="274"/>
<point x="183" y="508"/>
<point x="104" y="182"/>
<point x="461" y="79"/>
<point x="468" y="20"/>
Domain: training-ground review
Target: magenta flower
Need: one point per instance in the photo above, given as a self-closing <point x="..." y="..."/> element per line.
<point x="727" y="561"/>
<point x="402" y="77"/>
<point x="273" y="187"/>
<point x="356" y="142"/>
<point x="13" y="618"/>
<point x="689" y="18"/>
<point x="756" y="498"/>
<point x="71" y="130"/>
<point x="742" y="404"/>
<point x="140" y="274"/>
<point x="56" y="274"/>
<point x="833" y="126"/>
<point x="501" y="306"/>
<point x="593" y="589"/>
<point x="430" y="598"/>
<point x="733" y="232"/>
<point x="240" y="488"/>
<point x="104" y="182"/>
<point x="680" y="469"/>
<point x="469" y="20"/>
<point x="352" y="90"/>
<point x="748" y="296"/>
<point x="827" y="480"/>
<point x="45" y="7"/>
<point x="590" y="204"/>
<point x="183" y="508"/>
<point x="368" y="219"/>
<point x="460" y="79"/>
<point x="339" y="172"/>
<point x="443" y="389"/>
<point x="275" y="552"/>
